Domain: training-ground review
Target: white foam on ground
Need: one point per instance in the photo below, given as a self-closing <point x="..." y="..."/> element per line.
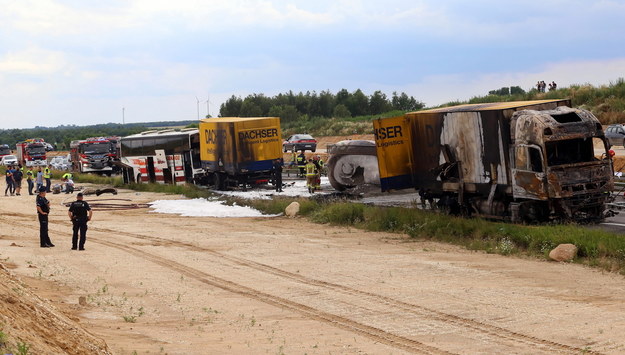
<point x="203" y="208"/>
<point x="292" y="188"/>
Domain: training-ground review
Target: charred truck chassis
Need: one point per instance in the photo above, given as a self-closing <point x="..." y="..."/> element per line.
<point x="519" y="161"/>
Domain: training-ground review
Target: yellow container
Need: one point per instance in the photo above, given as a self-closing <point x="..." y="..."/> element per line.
<point x="240" y="145"/>
<point x="393" y="148"/>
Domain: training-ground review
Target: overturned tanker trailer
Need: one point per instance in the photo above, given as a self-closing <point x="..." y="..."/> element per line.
<point x="352" y="163"/>
<point x="518" y="161"/>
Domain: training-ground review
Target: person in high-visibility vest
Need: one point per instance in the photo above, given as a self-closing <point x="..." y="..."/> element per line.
<point x="301" y="163"/>
<point x="30" y="177"/>
<point x="69" y="183"/>
<point x="47" y="175"/>
<point x="311" y="176"/>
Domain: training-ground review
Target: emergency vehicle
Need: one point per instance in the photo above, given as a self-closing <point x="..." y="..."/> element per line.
<point x="96" y="154"/>
<point x="31" y="152"/>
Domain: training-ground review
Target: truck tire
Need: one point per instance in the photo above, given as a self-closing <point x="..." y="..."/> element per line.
<point x="352" y="163"/>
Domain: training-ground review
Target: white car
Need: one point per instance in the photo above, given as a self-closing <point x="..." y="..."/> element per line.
<point x="60" y="163"/>
<point x="8" y="160"/>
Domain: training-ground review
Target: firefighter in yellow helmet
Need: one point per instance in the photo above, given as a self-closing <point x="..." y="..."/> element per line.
<point x="311" y="176"/>
<point x="301" y="163"/>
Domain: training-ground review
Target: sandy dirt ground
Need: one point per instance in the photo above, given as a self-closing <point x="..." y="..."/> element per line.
<point x="165" y="284"/>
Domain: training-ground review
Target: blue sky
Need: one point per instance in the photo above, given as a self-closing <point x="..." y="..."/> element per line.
<point x="84" y="62"/>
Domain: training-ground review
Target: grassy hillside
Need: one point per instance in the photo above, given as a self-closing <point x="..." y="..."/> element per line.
<point x="607" y="102"/>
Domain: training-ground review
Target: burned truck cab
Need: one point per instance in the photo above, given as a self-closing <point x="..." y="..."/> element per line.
<point x="561" y="165"/>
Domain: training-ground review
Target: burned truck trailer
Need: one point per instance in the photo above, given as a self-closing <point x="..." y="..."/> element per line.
<point x="237" y="151"/>
<point x="518" y="161"/>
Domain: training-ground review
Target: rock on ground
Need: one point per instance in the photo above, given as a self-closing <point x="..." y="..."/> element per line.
<point x="563" y="252"/>
<point x="292" y="209"/>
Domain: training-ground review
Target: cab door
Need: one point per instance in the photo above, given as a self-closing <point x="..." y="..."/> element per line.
<point x="529" y="179"/>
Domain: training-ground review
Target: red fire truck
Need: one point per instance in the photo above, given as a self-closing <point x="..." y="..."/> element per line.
<point x="31" y="152"/>
<point x="94" y="154"/>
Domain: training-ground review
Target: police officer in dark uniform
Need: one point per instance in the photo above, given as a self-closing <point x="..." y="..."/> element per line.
<point x="79" y="213"/>
<point x="277" y="174"/>
<point x="43" y="208"/>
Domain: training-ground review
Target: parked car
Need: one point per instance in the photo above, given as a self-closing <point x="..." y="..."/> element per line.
<point x="300" y="142"/>
<point x="8" y="160"/>
<point x="615" y="134"/>
<point x="60" y="163"/>
<point x="49" y="147"/>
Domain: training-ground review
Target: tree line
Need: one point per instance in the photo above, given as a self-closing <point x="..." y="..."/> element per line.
<point x="61" y="136"/>
<point x="344" y="104"/>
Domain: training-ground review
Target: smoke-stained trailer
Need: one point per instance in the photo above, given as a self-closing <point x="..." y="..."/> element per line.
<point x="237" y="151"/>
<point x="528" y="160"/>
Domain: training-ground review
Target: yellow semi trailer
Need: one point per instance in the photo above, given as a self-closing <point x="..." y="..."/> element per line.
<point x="237" y="151"/>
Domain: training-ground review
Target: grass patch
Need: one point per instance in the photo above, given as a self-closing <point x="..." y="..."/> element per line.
<point x="596" y="247"/>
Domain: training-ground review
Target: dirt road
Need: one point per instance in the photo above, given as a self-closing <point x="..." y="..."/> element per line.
<point x="158" y="283"/>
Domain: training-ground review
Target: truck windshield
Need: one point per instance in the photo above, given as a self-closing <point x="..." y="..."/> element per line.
<point x="95" y="148"/>
<point x="570" y="151"/>
<point x="37" y="149"/>
<point x="5" y="150"/>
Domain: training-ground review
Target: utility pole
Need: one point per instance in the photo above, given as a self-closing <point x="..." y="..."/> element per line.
<point x="198" y="108"/>
<point x="208" y="112"/>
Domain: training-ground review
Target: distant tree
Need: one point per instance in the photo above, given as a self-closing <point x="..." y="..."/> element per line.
<point x="250" y="109"/>
<point x="231" y="107"/>
<point x="341" y="111"/>
<point x="517" y="90"/>
<point x="403" y="102"/>
<point x="504" y="91"/>
<point x="342" y="97"/>
<point x="326" y="103"/>
<point x="378" y="103"/>
<point x="287" y="113"/>
<point x="358" y="103"/>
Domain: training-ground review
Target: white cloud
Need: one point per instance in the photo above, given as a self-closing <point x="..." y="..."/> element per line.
<point x="439" y="89"/>
<point x="32" y="61"/>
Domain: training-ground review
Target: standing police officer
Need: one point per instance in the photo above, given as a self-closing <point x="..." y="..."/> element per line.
<point x="43" y="208"/>
<point x="79" y="213"/>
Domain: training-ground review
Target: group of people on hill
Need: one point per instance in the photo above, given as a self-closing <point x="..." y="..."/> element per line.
<point x="541" y="86"/>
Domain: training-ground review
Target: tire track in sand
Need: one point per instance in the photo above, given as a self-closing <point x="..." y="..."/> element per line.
<point x="492" y="331"/>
